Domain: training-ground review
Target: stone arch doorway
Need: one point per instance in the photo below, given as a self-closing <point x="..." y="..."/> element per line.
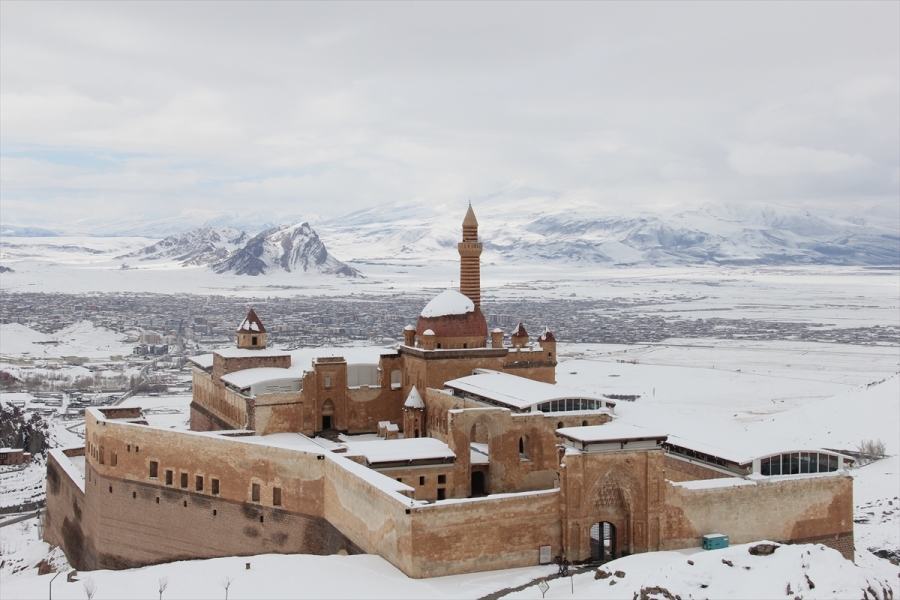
<point x="478" y="486"/>
<point x="603" y="541"/>
<point x="328" y="415"/>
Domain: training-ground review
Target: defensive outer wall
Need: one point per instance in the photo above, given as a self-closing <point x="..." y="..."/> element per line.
<point x="118" y="514"/>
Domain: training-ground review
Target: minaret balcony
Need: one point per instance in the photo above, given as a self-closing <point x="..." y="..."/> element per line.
<point x="470" y="248"/>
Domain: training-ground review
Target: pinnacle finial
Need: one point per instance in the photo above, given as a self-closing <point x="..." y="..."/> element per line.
<point x="470" y="220"/>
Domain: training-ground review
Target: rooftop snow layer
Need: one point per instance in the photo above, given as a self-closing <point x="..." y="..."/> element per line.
<point x="204" y="361"/>
<point x="514" y="391"/>
<point x="614" y="431"/>
<point x="247" y="377"/>
<point x="448" y="302"/>
<point x="248" y="352"/>
<point x="414" y="400"/>
<point x="406" y="449"/>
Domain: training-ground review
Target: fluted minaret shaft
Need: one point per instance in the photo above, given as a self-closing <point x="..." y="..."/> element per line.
<point x="470" y="260"/>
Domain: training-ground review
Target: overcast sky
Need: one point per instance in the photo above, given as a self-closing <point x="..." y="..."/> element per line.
<point x="123" y="108"/>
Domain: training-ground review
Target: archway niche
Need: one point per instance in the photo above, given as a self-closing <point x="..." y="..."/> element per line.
<point x="603" y="541"/>
<point x="328" y="415"/>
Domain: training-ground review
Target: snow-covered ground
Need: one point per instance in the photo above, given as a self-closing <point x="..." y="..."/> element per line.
<point x="79" y="339"/>
<point x="798" y="393"/>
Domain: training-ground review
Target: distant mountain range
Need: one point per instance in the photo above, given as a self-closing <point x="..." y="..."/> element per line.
<point x="294" y="248"/>
<point x="543" y="230"/>
<point x="525" y="226"/>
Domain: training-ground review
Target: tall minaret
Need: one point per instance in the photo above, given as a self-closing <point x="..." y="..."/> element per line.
<point x="470" y="259"/>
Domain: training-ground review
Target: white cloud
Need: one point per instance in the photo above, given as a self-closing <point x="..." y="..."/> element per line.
<point x="769" y="159"/>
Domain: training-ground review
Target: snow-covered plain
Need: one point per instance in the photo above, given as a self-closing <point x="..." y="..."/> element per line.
<point x="796" y="393"/>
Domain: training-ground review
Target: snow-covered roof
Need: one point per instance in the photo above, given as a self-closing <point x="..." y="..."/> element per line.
<point x="448" y="302"/>
<point x="405" y="450"/>
<point x="428" y="332"/>
<point x="519" y="331"/>
<point x="742" y="448"/>
<point x="513" y="391"/>
<point x="245" y="352"/>
<point x="204" y="361"/>
<point x="414" y="400"/>
<point x="409" y="328"/>
<point x="614" y="431"/>
<point x="252" y="323"/>
<point x="247" y="377"/>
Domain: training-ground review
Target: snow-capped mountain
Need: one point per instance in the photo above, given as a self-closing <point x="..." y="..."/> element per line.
<point x="197" y="247"/>
<point x="289" y="248"/>
<point x="545" y="228"/>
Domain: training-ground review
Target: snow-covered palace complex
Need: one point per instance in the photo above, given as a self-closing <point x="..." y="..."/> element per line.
<point x="457" y="453"/>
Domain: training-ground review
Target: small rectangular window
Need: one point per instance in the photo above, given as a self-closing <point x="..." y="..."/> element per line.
<point x="276" y="496"/>
<point x="169" y="476"/>
<point x="400" y="479"/>
<point x="184" y="480"/>
<point x="254" y="493"/>
<point x="113" y="459"/>
<point x="137" y="449"/>
<point x="442" y="494"/>
<point x="442" y="479"/>
<point x="129" y="447"/>
<point x="421" y="481"/>
<point x="214" y="484"/>
<point x="154" y="469"/>
<point x="327" y="382"/>
<point x="198" y="480"/>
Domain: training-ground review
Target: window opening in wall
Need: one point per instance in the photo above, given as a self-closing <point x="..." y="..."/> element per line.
<point x="560" y="425"/>
<point x="400" y="479"/>
<point x="584" y="424"/>
<point x="254" y="492"/>
<point x="215" y="512"/>
<point x="185" y="503"/>
<point x="439" y="346"/>
<point x="199" y="483"/>
<point x="417" y="433"/>
<point x="101" y="455"/>
<point x="154" y="469"/>
<point x="184" y="480"/>
<point x="169" y="475"/>
<point x="137" y="449"/>
<point x="524" y="448"/>
<point x="157" y="499"/>
<point x="214" y="484"/>
<point x="113" y="459"/>
<point x="110" y="489"/>
<point x="276" y="496"/>
<point x="442" y="494"/>
<point x="442" y="479"/>
<point x="327" y="382"/>
<point x="253" y="340"/>
<point x="133" y="495"/>
<point x="465" y="345"/>
<point x="261" y="518"/>
<point x="421" y="480"/>
<point x="129" y="447"/>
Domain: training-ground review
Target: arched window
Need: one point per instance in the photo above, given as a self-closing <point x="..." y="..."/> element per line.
<point x="525" y="448"/>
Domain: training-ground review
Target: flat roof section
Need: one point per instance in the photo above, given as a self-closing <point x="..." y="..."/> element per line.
<point x="615" y="431"/>
<point x="404" y="451"/>
<point x="513" y="391"/>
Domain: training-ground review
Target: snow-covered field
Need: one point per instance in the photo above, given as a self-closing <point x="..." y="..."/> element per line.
<point x="829" y="395"/>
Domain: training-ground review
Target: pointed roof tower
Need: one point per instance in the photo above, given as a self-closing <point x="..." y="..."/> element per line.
<point x="252" y="323"/>
<point x="252" y="333"/>
<point x="470" y="220"/>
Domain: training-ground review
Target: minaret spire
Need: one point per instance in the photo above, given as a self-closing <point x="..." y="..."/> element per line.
<point x="470" y="259"/>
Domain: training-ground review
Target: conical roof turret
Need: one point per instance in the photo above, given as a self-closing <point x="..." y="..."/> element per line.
<point x="470" y="220"/>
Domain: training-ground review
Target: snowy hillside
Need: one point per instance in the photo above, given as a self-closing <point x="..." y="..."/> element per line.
<point x="295" y="248"/>
<point x="196" y="247"/>
<point x="539" y="227"/>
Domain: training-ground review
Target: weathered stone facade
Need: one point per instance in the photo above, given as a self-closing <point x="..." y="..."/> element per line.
<point x="505" y="484"/>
